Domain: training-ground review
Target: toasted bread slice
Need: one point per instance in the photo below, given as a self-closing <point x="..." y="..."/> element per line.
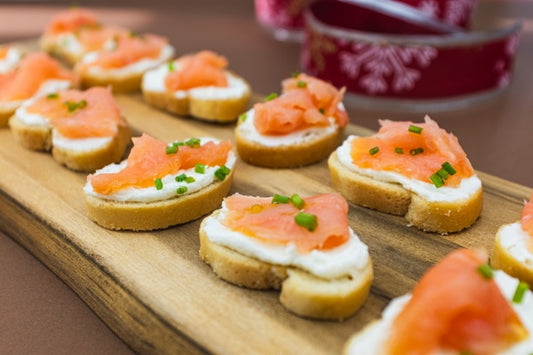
<point x="301" y="292"/>
<point x="38" y="137"/>
<point x="284" y="155"/>
<point x="143" y="216"/>
<point x="503" y="258"/>
<point x="432" y="216"/>
<point x="213" y="104"/>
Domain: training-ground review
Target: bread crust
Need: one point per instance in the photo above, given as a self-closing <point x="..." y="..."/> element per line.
<point x="216" y="110"/>
<point x="441" y="216"/>
<point x="301" y="292"/>
<point x="144" y="216"/>
<point x="502" y="259"/>
<point x="37" y="137"/>
<point x="7" y="109"/>
<point x="286" y="156"/>
<point x="51" y="45"/>
<point x="119" y="83"/>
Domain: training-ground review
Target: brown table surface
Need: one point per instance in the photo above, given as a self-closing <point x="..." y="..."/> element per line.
<point x="40" y="314"/>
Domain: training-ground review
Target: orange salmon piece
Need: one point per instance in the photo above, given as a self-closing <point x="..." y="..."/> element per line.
<point x="397" y="147"/>
<point x="454" y="307"/>
<point x="3" y="51"/>
<point x="204" y="68"/>
<point x="129" y="48"/>
<point x="94" y="38"/>
<point x="325" y="96"/>
<point x="70" y="20"/>
<point x="259" y="218"/>
<point x="34" y="70"/>
<point x="80" y="114"/>
<point x="148" y="161"/>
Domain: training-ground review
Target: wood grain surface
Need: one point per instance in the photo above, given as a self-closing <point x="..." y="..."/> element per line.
<point x="152" y="288"/>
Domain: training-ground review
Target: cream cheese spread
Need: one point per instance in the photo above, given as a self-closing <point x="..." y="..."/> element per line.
<point x="428" y="191"/>
<point x="137" y="67"/>
<point x="154" y="80"/>
<point x="350" y="258"/>
<point x="170" y="185"/>
<point x="10" y="61"/>
<point x="515" y="240"/>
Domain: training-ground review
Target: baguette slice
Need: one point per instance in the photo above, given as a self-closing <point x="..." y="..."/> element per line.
<point x="503" y="258"/>
<point x="144" y="216"/>
<point x="206" y="102"/>
<point x="285" y="155"/>
<point x="302" y="293"/>
<point x="37" y="137"/>
<point x="431" y="216"/>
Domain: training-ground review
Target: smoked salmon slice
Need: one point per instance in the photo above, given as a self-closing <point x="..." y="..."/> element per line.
<point x="80" y="114"/>
<point x="417" y="151"/>
<point x="260" y="218"/>
<point x="71" y="20"/>
<point x="128" y="48"/>
<point x="150" y="160"/>
<point x="204" y="68"/>
<point x="306" y="102"/>
<point x="33" y="71"/>
<point x="455" y="307"/>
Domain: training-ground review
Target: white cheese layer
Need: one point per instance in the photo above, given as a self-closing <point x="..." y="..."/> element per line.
<point x="248" y="130"/>
<point x="35" y="119"/>
<point x="134" y="68"/>
<point x="348" y="259"/>
<point x="170" y="185"/>
<point x="371" y="341"/>
<point x="154" y="81"/>
<point x="10" y="61"/>
<point x="70" y="43"/>
<point x="428" y="191"/>
<point x="515" y="240"/>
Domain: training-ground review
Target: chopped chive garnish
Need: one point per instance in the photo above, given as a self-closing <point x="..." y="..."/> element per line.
<point x="520" y="292"/>
<point x="297" y="201"/>
<point x="158" y="183"/>
<point x="171" y="149"/>
<point x="193" y="142"/>
<point x="222" y="172"/>
<point x="306" y="220"/>
<point x="301" y="84"/>
<point x="73" y="106"/>
<point x="436" y="179"/>
<point x="181" y="190"/>
<point x="374" y="150"/>
<point x="415" y="129"/>
<point x="295" y="75"/>
<point x="199" y="168"/>
<point x="486" y="271"/>
<point x="321" y="110"/>
<point x="280" y="199"/>
<point x="398" y="150"/>
<point x="181" y="178"/>
<point x="272" y="96"/>
<point x="449" y="168"/>
<point x="171" y="65"/>
<point x="190" y="179"/>
<point x="416" y="151"/>
<point x="243" y="117"/>
<point x="54" y="95"/>
<point x="443" y="173"/>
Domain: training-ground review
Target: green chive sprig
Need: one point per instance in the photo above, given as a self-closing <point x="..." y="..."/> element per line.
<point x="442" y="174"/>
<point x="280" y="199"/>
<point x="181" y="190"/>
<point x="73" y="106"/>
<point x="416" y="151"/>
<point x="271" y="96"/>
<point x="486" y="271"/>
<point x="415" y="129"/>
<point x="199" y="168"/>
<point x="306" y="220"/>
<point x="373" y="150"/>
<point x="398" y="150"/>
<point x="520" y="292"/>
<point x="297" y="201"/>
<point x="158" y="183"/>
<point x="301" y="84"/>
<point x="52" y="96"/>
<point x="222" y="172"/>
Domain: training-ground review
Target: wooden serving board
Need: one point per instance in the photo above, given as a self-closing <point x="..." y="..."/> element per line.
<point x="152" y="288"/>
